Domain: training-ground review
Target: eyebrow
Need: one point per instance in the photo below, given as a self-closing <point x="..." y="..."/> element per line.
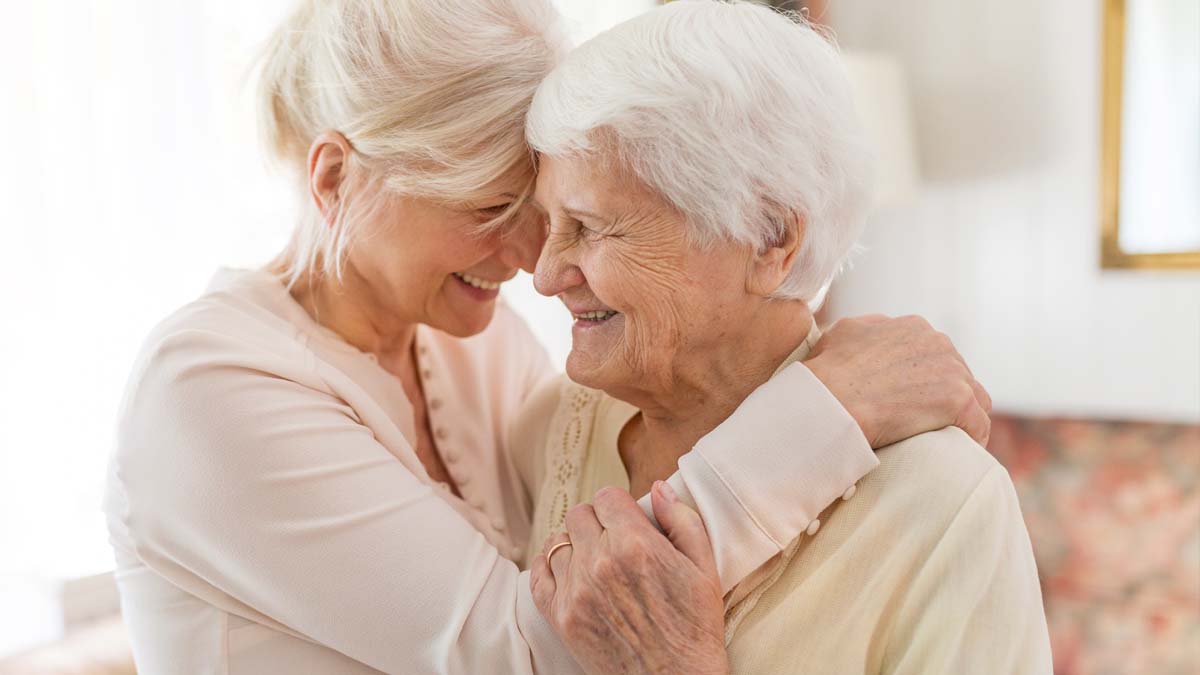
<point x="571" y="211"/>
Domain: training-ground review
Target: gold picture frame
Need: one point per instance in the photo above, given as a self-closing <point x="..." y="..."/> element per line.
<point x="1112" y="256"/>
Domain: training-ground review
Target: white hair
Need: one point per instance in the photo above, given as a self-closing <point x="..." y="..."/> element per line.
<point x="431" y="96"/>
<point x="738" y="115"/>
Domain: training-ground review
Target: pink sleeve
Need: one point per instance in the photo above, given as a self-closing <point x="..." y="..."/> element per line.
<point x="249" y="487"/>
<point x="755" y="491"/>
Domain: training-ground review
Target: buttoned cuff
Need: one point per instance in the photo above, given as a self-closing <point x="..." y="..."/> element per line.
<point x="762" y="477"/>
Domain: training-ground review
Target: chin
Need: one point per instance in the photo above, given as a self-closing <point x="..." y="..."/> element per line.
<point x="584" y="369"/>
<point x="466" y="326"/>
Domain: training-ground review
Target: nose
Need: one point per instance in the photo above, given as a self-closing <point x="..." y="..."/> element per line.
<point x="521" y="245"/>
<point x="556" y="270"/>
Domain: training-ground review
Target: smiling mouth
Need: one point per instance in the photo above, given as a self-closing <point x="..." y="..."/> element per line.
<point x="483" y="284"/>
<point x="595" y="317"/>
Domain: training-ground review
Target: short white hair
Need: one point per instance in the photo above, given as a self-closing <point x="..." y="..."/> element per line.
<point x="432" y="97"/>
<point x="738" y="115"/>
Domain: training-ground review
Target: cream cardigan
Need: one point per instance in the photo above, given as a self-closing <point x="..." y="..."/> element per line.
<point x="923" y="568"/>
<point x="269" y="515"/>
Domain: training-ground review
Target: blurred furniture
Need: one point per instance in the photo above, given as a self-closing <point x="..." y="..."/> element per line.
<point x="101" y="648"/>
<point x="1113" y="509"/>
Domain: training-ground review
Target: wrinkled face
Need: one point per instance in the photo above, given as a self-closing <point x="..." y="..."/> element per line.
<point x="645" y="299"/>
<point x="426" y="262"/>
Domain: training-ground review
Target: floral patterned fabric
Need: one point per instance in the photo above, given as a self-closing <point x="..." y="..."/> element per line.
<point x="1113" y="509"/>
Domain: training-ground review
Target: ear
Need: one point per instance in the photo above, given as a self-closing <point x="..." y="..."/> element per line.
<point x="327" y="169"/>
<point x="770" y="267"/>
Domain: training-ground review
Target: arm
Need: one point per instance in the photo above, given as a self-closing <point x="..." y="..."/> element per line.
<point x="975" y="605"/>
<point x="753" y="491"/>
<point x="867" y="378"/>
<point x="252" y="488"/>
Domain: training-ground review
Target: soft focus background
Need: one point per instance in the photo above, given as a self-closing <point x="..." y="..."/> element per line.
<point x="134" y="172"/>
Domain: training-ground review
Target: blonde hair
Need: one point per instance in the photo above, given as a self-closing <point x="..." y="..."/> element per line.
<point x="737" y="114"/>
<point x="431" y="96"/>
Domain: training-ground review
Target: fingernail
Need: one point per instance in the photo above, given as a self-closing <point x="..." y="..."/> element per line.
<point x="667" y="492"/>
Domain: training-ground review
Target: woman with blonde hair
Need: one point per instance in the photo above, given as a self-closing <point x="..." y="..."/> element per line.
<point x="313" y="470"/>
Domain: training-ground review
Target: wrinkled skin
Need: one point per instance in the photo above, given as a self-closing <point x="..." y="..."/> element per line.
<point x="695" y="329"/>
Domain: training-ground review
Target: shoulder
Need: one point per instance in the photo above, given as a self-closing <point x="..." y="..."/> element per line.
<point x="934" y="480"/>
<point x="219" y="355"/>
<point x="221" y="331"/>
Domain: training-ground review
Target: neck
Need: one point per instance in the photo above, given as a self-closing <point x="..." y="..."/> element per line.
<point x="352" y="310"/>
<point x="707" y="390"/>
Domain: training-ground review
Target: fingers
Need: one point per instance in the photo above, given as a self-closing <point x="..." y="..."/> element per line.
<point x="542" y="585"/>
<point x="583" y="527"/>
<point x="560" y="561"/>
<point x="975" y="422"/>
<point x="981" y="395"/>
<point x="684" y="527"/>
<point x="615" y="509"/>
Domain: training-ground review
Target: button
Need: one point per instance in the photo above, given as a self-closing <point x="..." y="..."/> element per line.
<point x="450" y="454"/>
<point x="813" y="527"/>
<point x="426" y="373"/>
<point x="373" y="358"/>
<point x="441" y="433"/>
<point x="422" y="349"/>
<point x="462" y="478"/>
<point x="849" y="493"/>
<point x="498" y="524"/>
<point x="435" y="403"/>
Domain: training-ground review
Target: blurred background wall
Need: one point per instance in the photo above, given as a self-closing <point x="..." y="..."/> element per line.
<point x="999" y="245"/>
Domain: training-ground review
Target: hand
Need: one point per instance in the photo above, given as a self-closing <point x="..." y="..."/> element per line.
<point x="623" y="598"/>
<point x="899" y="378"/>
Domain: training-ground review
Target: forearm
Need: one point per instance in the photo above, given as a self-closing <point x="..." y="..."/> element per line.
<point x="755" y="492"/>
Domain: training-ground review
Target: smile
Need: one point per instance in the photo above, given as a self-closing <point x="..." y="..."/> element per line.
<point x="595" y="317"/>
<point x="477" y="282"/>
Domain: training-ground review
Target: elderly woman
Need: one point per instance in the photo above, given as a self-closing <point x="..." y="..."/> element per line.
<point x="313" y="471"/>
<point x="703" y="178"/>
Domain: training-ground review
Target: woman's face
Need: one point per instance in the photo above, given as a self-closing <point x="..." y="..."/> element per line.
<point x="427" y="262"/>
<point x="645" y="299"/>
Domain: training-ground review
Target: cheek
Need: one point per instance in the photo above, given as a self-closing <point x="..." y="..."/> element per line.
<point x="651" y="291"/>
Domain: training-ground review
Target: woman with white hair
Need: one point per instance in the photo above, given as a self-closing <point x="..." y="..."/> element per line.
<point x="313" y="467"/>
<point x="703" y="177"/>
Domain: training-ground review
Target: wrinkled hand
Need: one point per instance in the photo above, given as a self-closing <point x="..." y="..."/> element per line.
<point x="624" y="598"/>
<point x="899" y="378"/>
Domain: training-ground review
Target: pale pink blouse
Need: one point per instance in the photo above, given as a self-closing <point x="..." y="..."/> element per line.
<point x="269" y="515"/>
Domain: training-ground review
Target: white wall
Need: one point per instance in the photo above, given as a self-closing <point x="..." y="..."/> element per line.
<point x="1000" y="248"/>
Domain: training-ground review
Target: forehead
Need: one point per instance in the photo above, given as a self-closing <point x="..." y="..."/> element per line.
<point x="594" y="180"/>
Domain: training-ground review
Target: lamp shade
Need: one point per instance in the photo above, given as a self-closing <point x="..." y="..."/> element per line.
<point x="881" y="94"/>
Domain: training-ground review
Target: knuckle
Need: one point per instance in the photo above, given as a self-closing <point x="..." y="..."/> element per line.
<point x="606" y="568"/>
<point x="578" y="511"/>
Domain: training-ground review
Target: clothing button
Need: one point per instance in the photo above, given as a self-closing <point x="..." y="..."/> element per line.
<point x="441" y="433"/>
<point x="422" y="349"/>
<point x="426" y="373"/>
<point x="813" y="527"/>
<point x="373" y="358"/>
<point x="498" y="524"/>
<point x="435" y="403"/>
<point x="462" y="478"/>
<point x="450" y="454"/>
<point x="849" y="493"/>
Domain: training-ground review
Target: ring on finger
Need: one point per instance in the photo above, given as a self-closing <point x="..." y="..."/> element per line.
<point x="550" y="553"/>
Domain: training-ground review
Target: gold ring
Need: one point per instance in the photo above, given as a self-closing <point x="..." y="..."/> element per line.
<point x="554" y="548"/>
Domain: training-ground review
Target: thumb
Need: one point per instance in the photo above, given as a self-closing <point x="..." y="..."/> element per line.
<point x="683" y="527"/>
